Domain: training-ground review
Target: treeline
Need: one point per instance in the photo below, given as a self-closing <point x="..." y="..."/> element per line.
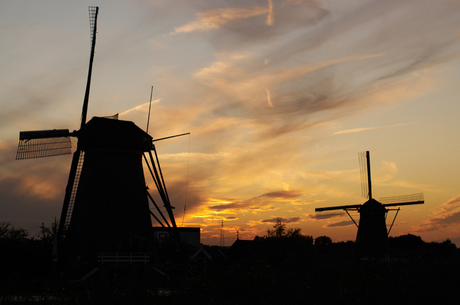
<point x="282" y="267"/>
<point x="25" y="261"/>
<point x="280" y="242"/>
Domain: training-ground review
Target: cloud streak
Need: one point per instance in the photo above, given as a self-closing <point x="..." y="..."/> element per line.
<point x="264" y="201"/>
<point x="283" y="220"/>
<point x="448" y="216"/>
<point x="214" y="19"/>
<point x="339" y="224"/>
<point x="323" y="216"/>
<point x="354" y="130"/>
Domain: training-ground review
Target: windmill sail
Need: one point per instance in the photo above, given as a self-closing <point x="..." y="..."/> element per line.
<point x="78" y="158"/>
<point x="93" y="12"/>
<point x="71" y="192"/>
<point x="365" y="171"/>
<point x="342" y="207"/>
<point x="402" y="200"/>
<point x="43" y="143"/>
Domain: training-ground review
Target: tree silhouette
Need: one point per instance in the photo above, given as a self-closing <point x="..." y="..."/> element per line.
<point x="323" y="241"/>
<point x="280" y="231"/>
<point x="8" y="232"/>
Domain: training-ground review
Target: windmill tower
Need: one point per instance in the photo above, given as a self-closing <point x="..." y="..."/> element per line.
<point x="372" y="235"/>
<point x="106" y="202"/>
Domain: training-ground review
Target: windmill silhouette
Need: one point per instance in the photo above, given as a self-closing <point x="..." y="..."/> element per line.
<point x="106" y="203"/>
<point x="372" y="235"/>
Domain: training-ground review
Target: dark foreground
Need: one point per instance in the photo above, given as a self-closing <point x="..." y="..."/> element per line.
<point x="329" y="274"/>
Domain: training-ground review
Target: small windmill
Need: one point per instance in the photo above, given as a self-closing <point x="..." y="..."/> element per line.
<point x="106" y="203"/>
<point x="372" y="233"/>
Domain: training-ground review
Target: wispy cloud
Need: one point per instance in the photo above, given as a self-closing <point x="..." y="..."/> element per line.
<point x="354" y="130"/>
<point x="269" y="100"/>
<point x="214" y="19"/>
<point x="264" y="201"/>
<point x="331" y="215"/>
<point x="448" y="216"/>
<point x="439" y="222"/>
<point x="217" y="18"/>
<point x="241" y="83"/>
<point x="142" y="107"/>
<point x="451" y="204"/>
<point x="284" y="220"/>
<point x="323" y="216"/>
<point x="344" y="223"/>
<point x="271" y="15"/>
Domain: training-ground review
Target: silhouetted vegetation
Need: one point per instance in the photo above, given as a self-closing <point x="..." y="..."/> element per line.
<point x="323" y="241"/>
<point x="10" y="233"/>
<point x="25" y="263"/>
<point x="282" y="267"/>
<point x="280" y="231"/>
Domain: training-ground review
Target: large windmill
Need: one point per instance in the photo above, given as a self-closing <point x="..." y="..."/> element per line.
<point x="372" y="233"/>
<point x="106" y="203"/>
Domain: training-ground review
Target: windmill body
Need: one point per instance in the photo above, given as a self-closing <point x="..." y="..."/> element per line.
<point x="106" y="203"/>
<point x="372" y="235"/>
<point x="372" y="230"/>
<point x="111" y="209"/>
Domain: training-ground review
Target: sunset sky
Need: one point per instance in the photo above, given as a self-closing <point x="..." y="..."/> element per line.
<point x="279" y="98"/>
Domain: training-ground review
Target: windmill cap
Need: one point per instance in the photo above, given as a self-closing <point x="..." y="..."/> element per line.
<point x="109" y="134"/>
<point x="372" y="205"/>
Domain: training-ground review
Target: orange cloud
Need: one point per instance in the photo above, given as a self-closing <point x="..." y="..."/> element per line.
<point x="214" y="19"/>
<point x="447" y="217"/>
<point x="37" y="186"/>
<point x="142" y="108"/>
<point x="354" y="130"/>
<point x="271" y="15"/>
<point x="262" y="202"/>
<point x="452" y="204"/>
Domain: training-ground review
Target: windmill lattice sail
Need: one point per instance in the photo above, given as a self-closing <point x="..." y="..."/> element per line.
<point x="363" y="169"/>
<point x="43" y="143"/>
<point x="402" y="200"/>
